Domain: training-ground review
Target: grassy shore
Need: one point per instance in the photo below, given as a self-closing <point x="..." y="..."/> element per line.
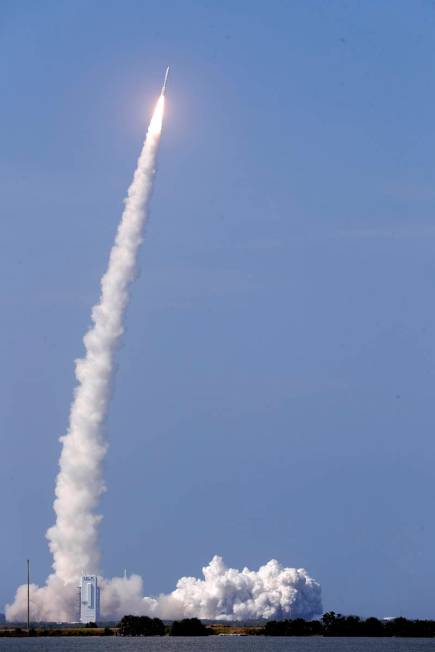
<point x="63" y="631"/>
<point x="218" y="630"/>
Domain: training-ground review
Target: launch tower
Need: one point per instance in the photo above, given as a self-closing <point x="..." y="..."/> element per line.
<point x="89" y="599"/>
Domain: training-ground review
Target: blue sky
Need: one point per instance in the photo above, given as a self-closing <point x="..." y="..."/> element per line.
<point x="275" y="389"/>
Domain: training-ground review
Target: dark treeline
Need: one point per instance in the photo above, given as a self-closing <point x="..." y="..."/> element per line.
<point x="189" y="627"/>
<point x="141" y="626"/>
<point x="144" y="626"/>
<point x="333" y="624"/>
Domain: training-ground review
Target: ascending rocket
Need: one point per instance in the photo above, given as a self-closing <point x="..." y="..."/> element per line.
<point x="164" y="83"/>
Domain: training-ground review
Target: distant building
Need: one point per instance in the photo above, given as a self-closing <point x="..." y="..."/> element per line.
<point x="89" y="599"/>
<point x="2" y="619"/>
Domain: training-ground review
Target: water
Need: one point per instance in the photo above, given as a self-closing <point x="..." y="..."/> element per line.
<point x="215" y="644"/>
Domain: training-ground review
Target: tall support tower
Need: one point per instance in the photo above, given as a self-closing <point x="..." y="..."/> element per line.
<point x="89" y="599"/>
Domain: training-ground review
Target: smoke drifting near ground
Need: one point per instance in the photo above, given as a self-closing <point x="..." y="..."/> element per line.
<point x="54" y="602"/>
<point x="222" y="594"/>
<point x="225" y="593"/>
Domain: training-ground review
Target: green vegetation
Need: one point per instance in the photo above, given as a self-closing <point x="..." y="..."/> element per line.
<point x="189" y="627"/>
<point x="297" y="627"/>
<point x="333" y="624"/>
<point x="141" y="626"/>
<point x="108" y="632"/>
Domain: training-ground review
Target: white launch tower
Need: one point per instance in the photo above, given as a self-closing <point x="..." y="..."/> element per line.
<point x="89" y="599"/>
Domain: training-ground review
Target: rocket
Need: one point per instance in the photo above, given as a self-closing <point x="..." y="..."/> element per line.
<point x="165" y="80"/>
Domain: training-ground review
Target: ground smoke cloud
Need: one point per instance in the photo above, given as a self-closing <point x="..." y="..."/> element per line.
<point x="223" y="594"/>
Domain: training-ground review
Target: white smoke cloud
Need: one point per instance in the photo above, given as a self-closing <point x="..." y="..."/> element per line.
<point x="54" y="602"/>
<point x="223" y="594"/>
<point x="229" y="594"/>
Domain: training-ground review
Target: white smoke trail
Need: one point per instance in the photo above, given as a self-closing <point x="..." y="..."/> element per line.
<point x="73" y="539"/>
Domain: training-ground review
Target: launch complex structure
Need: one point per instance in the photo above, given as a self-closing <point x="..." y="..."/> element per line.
<point x="89" y="599"/>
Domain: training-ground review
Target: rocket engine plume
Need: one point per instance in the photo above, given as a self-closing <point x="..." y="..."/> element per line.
<point x="73" y="538"/>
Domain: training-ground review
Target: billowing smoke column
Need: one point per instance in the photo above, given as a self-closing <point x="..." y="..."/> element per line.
<point x="73" y="539"/>
<point x="224" y="593"/>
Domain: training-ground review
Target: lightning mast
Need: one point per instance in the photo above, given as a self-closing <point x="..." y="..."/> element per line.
<point x="28" y="596"/>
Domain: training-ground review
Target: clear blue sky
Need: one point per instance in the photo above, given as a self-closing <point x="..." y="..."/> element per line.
<point x="275" y="391"/>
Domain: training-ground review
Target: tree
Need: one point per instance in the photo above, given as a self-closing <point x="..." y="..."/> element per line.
<point x="189" y="627"/>
<point x="329" y="621"/>
<point x="372" y="627"/>
<point x="141" y="626"/>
